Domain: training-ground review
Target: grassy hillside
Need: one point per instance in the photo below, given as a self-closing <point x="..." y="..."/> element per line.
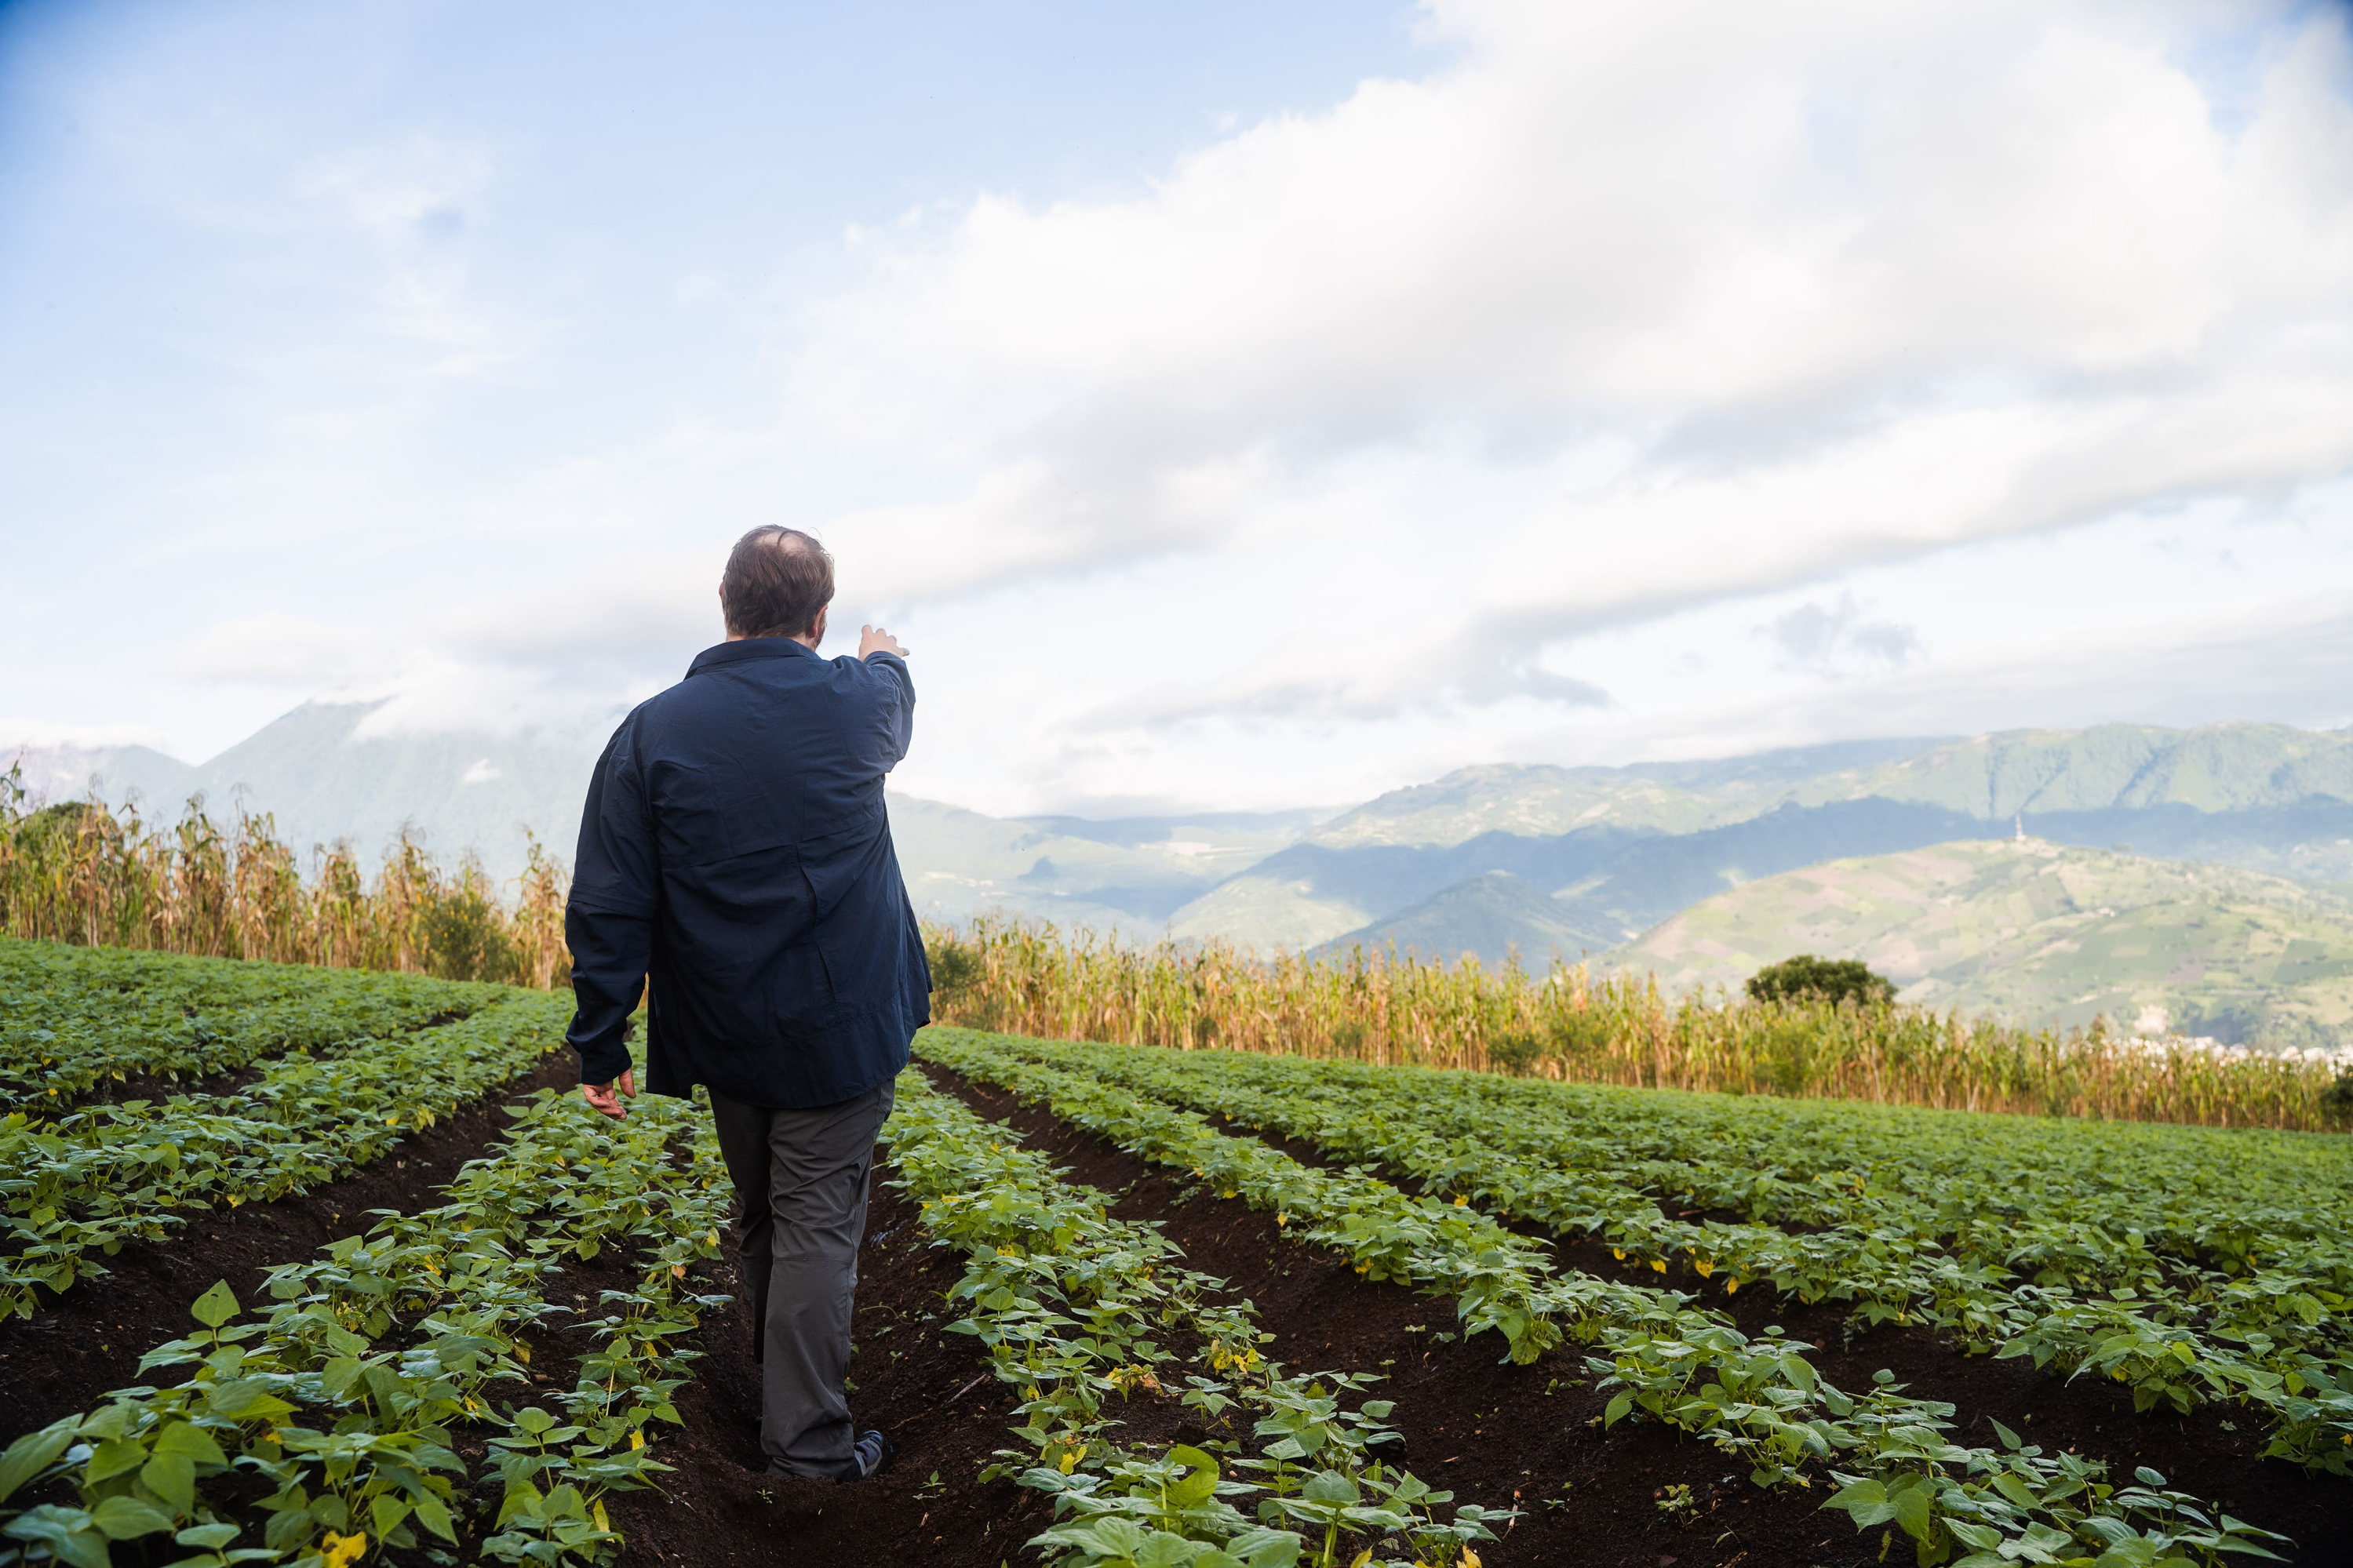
<point x="1625" y="848"/>
<point x="2044" y="933"/>
<point x="1492" y="915"/>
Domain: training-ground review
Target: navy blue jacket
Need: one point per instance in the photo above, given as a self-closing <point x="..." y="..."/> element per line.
<point x="735" y="849"/>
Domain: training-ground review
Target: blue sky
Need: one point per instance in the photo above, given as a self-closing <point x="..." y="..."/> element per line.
<point x="1233" y="405"/>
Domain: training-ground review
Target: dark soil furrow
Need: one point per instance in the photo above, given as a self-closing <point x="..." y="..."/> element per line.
<point x="88" y="1341"/>
<point x="926" y="1388"/>
<point x="1489" y="1429"/>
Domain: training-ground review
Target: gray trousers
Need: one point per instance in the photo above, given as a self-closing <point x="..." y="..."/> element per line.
<point x="801" y="1176"/>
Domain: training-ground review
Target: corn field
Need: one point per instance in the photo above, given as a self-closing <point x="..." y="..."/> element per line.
<point x="77" y="872"/>
<point x="1023" y="978"/>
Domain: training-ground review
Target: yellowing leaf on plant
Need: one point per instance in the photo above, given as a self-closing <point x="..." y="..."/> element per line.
<point x="1460" y="1200"/>
<point x="338" y="1551"/>
<point x="636" y="1440"/>
<point x="1658" y="1265"/>
<point x="1070" y="1461"/>
<point x="1705" y="1268"/>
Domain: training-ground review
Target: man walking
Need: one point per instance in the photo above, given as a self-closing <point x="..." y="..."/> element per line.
<point x="734" y="850"/>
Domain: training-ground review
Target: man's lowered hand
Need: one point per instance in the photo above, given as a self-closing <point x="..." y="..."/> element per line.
<point x="602" y="1097"/>
<point x="874" y="639"/>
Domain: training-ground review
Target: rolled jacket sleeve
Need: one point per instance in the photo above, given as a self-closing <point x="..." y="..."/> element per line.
<point x="896" y="712"/>
<point x="608" y="921"/>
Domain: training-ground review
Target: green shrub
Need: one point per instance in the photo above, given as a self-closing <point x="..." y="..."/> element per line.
<point x="955" y="969"/>
<point x="464" y="937"/>
<point x="1808" y="978"/>
<point x="1515" y="1050"/>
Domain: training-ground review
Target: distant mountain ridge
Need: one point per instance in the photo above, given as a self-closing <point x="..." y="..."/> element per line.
<point x="2263" y="796"/>
<point x="2041" y="931"/>
<point x="324" y="778"/>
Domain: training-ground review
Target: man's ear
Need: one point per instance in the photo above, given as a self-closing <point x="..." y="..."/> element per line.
<point x="817" y="626"/>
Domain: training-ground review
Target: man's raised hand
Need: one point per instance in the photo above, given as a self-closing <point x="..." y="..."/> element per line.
<point x="602" y="1097"/>
<point x="874" y="639"/>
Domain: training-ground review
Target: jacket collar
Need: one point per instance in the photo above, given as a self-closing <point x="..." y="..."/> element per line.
<point x="748" y="647"/>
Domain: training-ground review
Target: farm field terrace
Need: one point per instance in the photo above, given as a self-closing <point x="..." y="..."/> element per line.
<point x="322" y="1267"/>
<point x="1886" y="1309"/>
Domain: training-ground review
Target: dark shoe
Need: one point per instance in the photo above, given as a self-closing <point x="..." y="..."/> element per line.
<point x="871" y="1453"/>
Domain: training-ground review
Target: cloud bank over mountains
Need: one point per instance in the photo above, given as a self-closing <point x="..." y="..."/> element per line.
<point x="1616" y="382"/>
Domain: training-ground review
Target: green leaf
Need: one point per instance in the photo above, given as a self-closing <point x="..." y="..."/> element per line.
<point x="127" y="1518"/>
<point x="1162" y="1550"/>
<point x="68" y="1533"/>
<point x="1200" y="1482"/>
<point x="114" y="1457"/>
<point x="287" y="1530"/>
<point x="33" y="1452"/>
<point x="2009" y="1439"/>
<point x="1913" y="1507"/>
<point x="2016" y="1491"/>
<point x="214" y="1536"/>
<point x="1617" y="1409"/>
<point x="194" y="1442"/>
<point x="216" y="1306"/>
<point x="435" y="1515"/>
<point x="172" y="1478"/>
<point x="387" y="1512"/>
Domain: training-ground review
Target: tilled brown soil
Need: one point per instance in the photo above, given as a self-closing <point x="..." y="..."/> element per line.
<point x="79" y="1345"/>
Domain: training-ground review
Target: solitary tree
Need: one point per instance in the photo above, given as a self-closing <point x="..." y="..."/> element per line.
<point x="1806" y="977"/>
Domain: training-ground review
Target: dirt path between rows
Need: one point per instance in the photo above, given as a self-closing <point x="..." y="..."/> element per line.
<point x="80" y="1346"/>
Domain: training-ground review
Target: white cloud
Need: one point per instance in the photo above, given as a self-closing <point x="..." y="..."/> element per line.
<point x="277" y="649"/>
<point x="19" y="734"/>
<point x="1832" y="639"/>
<point x="1772" y="292"/>
<point x="1486" y="415"/>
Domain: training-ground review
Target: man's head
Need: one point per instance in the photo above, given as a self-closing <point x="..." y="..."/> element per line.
<point x="777" y="584"/>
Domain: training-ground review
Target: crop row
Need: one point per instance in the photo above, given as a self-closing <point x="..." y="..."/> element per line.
<point x="1693" y="1369"/>
<point x="74" y="1017"/>
<point x="338" y="1409"/>
<point x="2273" y="1337"/>
<point x="1078" y="1309"/>
<point x="89" y="1181"/>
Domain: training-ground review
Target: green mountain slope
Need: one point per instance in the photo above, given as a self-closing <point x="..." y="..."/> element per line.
<point x="2043" y="933"/>
<point x="1665" y="797"/>
<point x="2218" y="767"/>
<point x="1491" y="916"/>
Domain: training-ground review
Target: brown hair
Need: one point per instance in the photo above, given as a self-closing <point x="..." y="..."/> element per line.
<point x="776" y="580"/>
